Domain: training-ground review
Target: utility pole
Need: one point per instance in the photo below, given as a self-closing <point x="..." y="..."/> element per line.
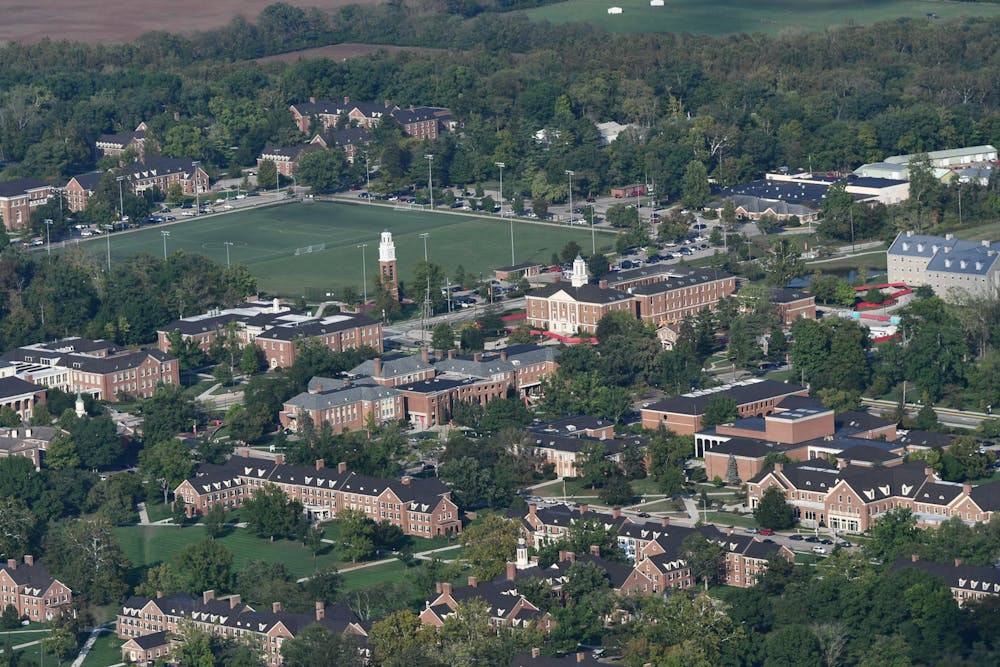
<point x="197" y="189"/>
<point x="426" y="312"/>
<point x="430" y="181"/>
<point x="165" y="235"/>
<point x="227" y="244"/>
<point x="121" y="198"/>
<point x="48" y="237"/>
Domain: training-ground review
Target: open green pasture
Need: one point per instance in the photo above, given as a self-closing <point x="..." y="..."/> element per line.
<point x="724" y="17"/>
<point x="265" y="240"/>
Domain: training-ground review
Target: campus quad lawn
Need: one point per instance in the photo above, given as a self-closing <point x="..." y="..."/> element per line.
<point x="107" y="650"/>
<point x="148" y="545"/>
<point x="724" y="17"/>
<point x="265" y="240"/>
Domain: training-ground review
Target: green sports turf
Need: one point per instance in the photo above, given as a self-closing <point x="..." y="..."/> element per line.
<point x="265" y="240"/>
<point x="723" y="17"/>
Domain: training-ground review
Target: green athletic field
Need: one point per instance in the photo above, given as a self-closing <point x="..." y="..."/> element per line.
<point x="723" y="17"/>
<point x="266" y="239"/>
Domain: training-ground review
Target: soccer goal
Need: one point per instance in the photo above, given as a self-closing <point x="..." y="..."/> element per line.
<point x="319" y="247"/>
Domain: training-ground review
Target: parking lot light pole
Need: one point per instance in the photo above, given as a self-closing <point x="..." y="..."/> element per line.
<point x="48" y="237"/>
<point x="107" y="232"/>
<point x="121" y="198"/>
<point x="368" y="177"/>
<point x="430" y="183"/>
<point x="501" y="165"/>
<point x="197" y="190"/>
<point x="165" y="235"/>
<point x="227" y="244"/>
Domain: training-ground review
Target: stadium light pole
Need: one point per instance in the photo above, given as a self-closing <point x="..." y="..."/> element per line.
<point x="197" y="190"/>
<point x="165" y="235"/>
<point x="121" y="198"/>
<point x="364" y="272"/>
<point x="368" y="177"/>
<point x="501" y="165"/>
<point x="107" y="232"/>
<point x="427" y="294"/>
<point x="430" y="182"/>
<point x="570" y="173"/>
<point x="48" y="236"/>
<point x="227" y="244"/>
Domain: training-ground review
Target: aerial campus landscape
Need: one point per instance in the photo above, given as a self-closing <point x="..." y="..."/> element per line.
<point x="521" y="334"/>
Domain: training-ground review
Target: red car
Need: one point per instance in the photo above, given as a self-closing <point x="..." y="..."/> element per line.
<point x="766" y="531"/>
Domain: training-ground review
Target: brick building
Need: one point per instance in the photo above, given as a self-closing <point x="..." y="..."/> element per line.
<point x="791" y="304"/>
<point x="337" y="333"/>
<point x="849" y="497"/>
<point x="681" y="295"/>
<point x="967" y="582"/>
<point x="576" y="307"/>
<point x="27" y="441"/>
<point x="113" y="145"/>
<point x="345" y="408"/>
<point x="418" y="122"/>
<point x="80" y="189"/>
<point x="19" y="197"/>
<point x="285" y="159"/>
<point x="247" y="320"/>
<point x="150" y="626"/>
<point x="420" y="507"/>
<point x="682" y="414"/>
<point x="351" y="140"/>
<point x="160" y="172"/>
<point x="95" y="367"/>
<point x="32" y="591"/>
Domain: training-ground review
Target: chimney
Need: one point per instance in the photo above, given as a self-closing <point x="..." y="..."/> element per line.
<point x="411" y="107"/>
<point x="570" y="556"/>
<point x="312" y="100"/>
<point x="511" y="572"/>
<point x="966" y="488"/>
<point x="29" y="559"/>
<point x="235" y="600"/>
<point x="446" y="588"/>
<point x="841" y="463"/>
<point x="279" y="459"/>
<point x="929" y="472"/>
<point x="207" y="596"/>
<point x="347" y="99"/>
<point x="959" y="562"/>
<point x="405" y="480"/>
<point x="387" y="104"/>
<point x="27" y="433"/>
<point x="665" y="521"/>
<point x="159" y="594"/>
<point x="246" y="453"/>
<point x="580" y="656"/>
<point x="275" y="305"/>
<point x="423" y="355"/>
<point x="473" y="582"/>
<point x="778" y="467"/>
<point x="342" y="467"/>
<point x="986" y="244"/>
<point x="451" y="353"/>
<point x="535" y="652"/>
<point x="320" y="610"/>
<point x="595" y="550"/>
<point x="478" y="356"/>
<point x="616" y="512"/>
<point x="603" y="284"/>
<point x="11" y="564"/>
<point x="378" y="367"/>
<point x="583" y="508"/>
<point x="276" y="607"/>
<point x="320" y="464"/>
<point x="347" y="382"/>
<point x="729" y="530"/>
<point x="532" y="508"/>
<point x="914" y="557"/>
<point x="562" y="555"/>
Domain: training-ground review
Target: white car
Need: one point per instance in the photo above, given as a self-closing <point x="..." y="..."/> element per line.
<point x="188" y="214"/>
<point x="228" y="207"/>
<point x="819" y="550"/>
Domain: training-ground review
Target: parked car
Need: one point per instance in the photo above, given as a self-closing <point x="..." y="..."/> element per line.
<point x="812" y="538"/>
<point x="766" y="531"/>
<point x="819" y="550"/>
<point x="796" y="537"/>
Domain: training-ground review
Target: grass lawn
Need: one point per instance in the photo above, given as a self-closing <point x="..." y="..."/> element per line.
<point x="672" y="506"/>
<point x="869" y="260"/>
<point x="149" y="545"/>
<point x="369" y="576"/>
<point x="266" y="239"/>
<point x="990" y="232"/>
<point x="722" y="17"/>
<point x="155" y="508"/>
<point x="106" y="651"/>
<point x="728" y="519"/>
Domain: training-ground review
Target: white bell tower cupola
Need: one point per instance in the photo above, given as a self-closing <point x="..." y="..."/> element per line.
<point x="579" y="278"/>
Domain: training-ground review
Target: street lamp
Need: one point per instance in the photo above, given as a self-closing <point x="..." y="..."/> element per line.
<point x="165" y="235"/>
<point x="107" y="232"/>
<point x="48" y="236"/>
<point x="197" y="190"/>
<point x="368" y="177"/>
<point x="427" y="294"/>
<point x="121" y="198"/>
<point x="570" y="173"/>
<point x="502" y="165"/>
<point x="364" y="272"/>
<point x="430" y="184"/>
<point x="227" y="244"/>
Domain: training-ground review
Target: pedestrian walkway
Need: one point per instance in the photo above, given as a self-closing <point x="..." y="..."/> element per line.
<point x="89" y="644"/>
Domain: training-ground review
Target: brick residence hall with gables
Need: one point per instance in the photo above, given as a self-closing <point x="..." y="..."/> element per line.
<point x="95" y="367"/>
<point x="421" y="507"/>
<point x="344" y="406"/>
<point x="113" y="145"/>
<point x="419" y="122"/>
<point x="967" y="582"/>
<point x="656" y="295"/>
<point x="850" y="497"/>
<point x="161" y="172"/>
<point x="248" y="320"/>
<point x="149" y="625"/>
<point x="32" y="591"/>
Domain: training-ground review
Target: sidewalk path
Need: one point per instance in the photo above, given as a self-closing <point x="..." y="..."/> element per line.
<point x="89" y="644"/>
